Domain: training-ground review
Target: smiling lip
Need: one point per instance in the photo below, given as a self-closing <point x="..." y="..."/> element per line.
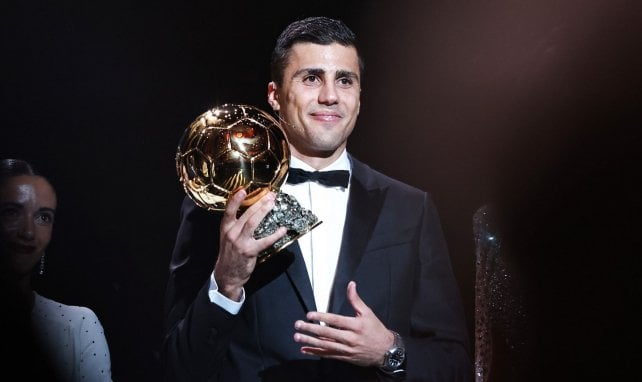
<point x="326" y="116"/>
<point x="21" y="248"/>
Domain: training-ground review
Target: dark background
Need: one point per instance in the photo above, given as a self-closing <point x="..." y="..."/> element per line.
<point x="534" y="106"/>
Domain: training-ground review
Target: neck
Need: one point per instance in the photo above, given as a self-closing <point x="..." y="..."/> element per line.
<point x="317" y="161"/>
<point x="26" y="291"/>
<point x="19" y="293"/>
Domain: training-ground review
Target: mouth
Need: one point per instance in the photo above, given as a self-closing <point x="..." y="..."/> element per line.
<point x="326" y="116"/>
<point x="21" y="248"/>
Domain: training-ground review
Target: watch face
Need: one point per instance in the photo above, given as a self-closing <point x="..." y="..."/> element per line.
<point x="396" y="358"/>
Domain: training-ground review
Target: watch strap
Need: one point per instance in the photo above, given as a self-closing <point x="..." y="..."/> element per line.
<point x="395" y="358"/>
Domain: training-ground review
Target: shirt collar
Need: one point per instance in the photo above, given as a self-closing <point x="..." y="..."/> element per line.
<point x="342" y="163"/>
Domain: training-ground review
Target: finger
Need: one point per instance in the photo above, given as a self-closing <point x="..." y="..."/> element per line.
<point x="317" y="329"/>
<point x="321" y="343"/>
<point x="328" y="353"/>
<point x="252" y="218"/>
<point x="309" y="350"/>
<point x="330" y="319"/>
<point x="233" y="204"/>
<point x="267" y="241"/>
<point x="326" y="333"/>
<point x="357" y="303"/>
<point x="257" y="211"/>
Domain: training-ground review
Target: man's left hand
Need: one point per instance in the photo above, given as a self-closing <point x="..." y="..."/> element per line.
<point x="361" y="340"/>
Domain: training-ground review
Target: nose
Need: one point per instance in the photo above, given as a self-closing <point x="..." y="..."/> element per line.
<point x="328" y="94"/>
<point x="27" y="228"/>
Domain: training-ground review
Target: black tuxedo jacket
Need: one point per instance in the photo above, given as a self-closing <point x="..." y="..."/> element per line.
<point x="394" y="249"/>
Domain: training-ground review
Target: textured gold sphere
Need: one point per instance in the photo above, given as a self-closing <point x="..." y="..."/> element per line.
<point x="230" y="147"/>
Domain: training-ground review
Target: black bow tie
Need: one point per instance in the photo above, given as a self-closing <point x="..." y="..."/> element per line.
<point x="336" y="178"/>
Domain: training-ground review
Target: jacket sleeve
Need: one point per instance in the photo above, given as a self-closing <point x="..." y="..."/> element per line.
<point x="437" y="344"/>
<point x="194" y="340"/>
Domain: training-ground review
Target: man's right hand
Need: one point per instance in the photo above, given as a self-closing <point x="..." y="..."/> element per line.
<point x="238" y="249"/>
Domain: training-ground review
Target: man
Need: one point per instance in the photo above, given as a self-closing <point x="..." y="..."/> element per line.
<point x="367" y="295"/>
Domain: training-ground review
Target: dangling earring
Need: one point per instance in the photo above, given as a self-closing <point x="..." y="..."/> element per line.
<point x="42" y="265"/>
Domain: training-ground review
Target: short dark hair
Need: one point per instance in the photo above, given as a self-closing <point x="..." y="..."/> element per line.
<point x="317" y="30"/>
<point x="15" y="167"/>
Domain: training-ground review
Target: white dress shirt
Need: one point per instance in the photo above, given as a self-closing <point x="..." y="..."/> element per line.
<point x="320" y="247"/>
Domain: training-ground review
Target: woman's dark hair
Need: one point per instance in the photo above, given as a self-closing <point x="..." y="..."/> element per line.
<point x="316" y="30"/>
<point x="15" y="167"/>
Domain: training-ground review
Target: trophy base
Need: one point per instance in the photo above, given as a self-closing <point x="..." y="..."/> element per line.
<point x="287" y="212"/>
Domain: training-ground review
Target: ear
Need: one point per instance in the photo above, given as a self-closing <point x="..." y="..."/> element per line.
<point x="273" y="97"/>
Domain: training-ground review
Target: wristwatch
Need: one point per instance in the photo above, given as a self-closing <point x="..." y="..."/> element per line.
<point x="395" y="358"/>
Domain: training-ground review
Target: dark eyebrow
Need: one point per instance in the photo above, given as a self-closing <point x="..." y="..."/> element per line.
<point x="320" y="72"/>
<point x="47" y="209"/>
<point x="11" y="204"/>
<point x="309" y="71"/>
<point x="22" y="207"/>
<point x="347" y="74"/>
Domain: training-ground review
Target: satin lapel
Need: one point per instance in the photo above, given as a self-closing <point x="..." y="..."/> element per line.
<point x="364" y="207"/>
<point x="298" y="275"/>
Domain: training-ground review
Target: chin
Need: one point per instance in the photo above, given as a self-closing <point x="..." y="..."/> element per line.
<point x="22" y="265"/>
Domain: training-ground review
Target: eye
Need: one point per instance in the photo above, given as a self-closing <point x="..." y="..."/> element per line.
<point x="9" y="213"/>
<point x="345" y="82"/>
<point x="311" y="79"/>
<point x="45" y="218"/>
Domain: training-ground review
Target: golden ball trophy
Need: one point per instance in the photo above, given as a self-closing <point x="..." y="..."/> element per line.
<point x="236" y="146"/>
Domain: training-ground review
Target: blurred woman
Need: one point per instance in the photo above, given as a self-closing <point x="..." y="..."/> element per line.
<point x="44" y="336"/>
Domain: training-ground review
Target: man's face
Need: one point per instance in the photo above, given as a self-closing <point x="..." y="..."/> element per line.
<point x="319" y="98"/>
<point x="27" y="209"/>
